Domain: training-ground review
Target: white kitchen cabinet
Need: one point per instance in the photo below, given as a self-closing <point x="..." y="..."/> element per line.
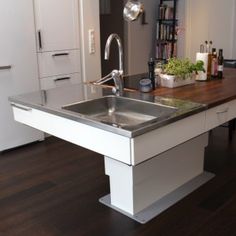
<point x="167" y="173"/>
<point x="57" y="32"/>
<point x="59" y="63"/>
<point x="59" y="81"/>
<point x="211" y="20"/>
<point x="57" y="24"/>
<point x="220" y="114"/>
<point x="70" y="130"/>
<point x="18" y="68"/>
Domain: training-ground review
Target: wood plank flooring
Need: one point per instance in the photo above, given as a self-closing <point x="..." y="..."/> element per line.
<point x="52" y="189"/>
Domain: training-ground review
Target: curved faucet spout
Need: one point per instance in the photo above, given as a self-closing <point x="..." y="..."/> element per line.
<point x="120" y="47"/>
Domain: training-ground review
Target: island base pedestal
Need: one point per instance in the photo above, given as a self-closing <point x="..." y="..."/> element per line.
<point x="143" y="191"/>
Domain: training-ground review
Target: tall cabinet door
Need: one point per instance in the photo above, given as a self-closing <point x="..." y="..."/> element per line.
<point x="57" y="24"/>
<point x="211" y="20"/>
<point x="18" y="68"/>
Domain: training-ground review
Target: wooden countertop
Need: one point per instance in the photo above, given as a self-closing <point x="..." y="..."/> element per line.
<point x="211" y="93"/>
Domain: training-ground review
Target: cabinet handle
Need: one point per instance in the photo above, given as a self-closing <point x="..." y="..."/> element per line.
<point x="63" y="78"/>
<point x="20" y="107"/>
<point x="224" y="111"/>
<point x="40" y="39"/>
<point x="5" y="67"/>
<point x="60" y="54"/>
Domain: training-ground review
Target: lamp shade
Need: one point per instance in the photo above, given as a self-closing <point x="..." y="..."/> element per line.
<point x="132" y="10"/>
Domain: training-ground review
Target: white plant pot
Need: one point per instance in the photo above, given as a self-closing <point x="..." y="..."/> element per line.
<point x="171" y="81"/>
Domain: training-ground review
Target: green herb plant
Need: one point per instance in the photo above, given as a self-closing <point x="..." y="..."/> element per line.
<point x="182" y="68"/>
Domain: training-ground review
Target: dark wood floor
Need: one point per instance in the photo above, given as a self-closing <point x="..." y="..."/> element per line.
<point x="52" y="189"/>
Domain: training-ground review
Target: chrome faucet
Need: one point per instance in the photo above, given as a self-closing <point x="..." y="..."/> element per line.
<point x="107" y="50"/>
<point x="116" y="75"/>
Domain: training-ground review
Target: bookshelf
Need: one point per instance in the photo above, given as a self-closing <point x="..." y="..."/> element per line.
<point x="166" y="43"/>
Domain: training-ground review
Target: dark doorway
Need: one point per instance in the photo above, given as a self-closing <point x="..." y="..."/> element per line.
<point x="111" y="21"/>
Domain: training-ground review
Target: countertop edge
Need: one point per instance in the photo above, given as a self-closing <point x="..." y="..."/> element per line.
<point x="129" y="134"/>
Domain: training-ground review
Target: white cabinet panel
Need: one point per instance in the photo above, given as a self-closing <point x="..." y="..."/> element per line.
<point x="86" y="136"/>
<point x="160" y="140"/>
<point x="57" y="21"/>
<point x="18" y="49"/>
<point x="217" y="116"/>
<point x="60" y="81"/>
<point x="59" y="63"/>
<point x="232" y="111"/>
<point x="220" y="114"/>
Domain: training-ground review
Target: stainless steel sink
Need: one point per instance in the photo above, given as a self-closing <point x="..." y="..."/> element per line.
<point x="121" y="112"/>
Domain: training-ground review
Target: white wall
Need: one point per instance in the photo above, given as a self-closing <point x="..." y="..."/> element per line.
<point x="210" y="20"/>
<point x="181" y="23"/>
<point x="89" y="19"/>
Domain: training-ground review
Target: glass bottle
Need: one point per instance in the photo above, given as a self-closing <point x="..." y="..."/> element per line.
<point x="214" y="64"/>
<point x="220" y="64"/>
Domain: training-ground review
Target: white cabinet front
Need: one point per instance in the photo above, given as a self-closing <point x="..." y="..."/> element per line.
<point x="220" y="114"/>
<point x="58" y="63"/>
<point x="60" y="81"/>
<point x="18" y="68"/>
<point x="57" y="25"/>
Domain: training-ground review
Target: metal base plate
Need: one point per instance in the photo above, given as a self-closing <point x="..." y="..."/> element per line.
<point x="162" y="204"/>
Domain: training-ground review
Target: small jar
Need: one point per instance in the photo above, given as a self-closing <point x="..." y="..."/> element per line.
<point x="145" y="85"/>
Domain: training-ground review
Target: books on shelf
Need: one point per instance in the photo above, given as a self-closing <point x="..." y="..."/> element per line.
<point x="166" y="12"/>
<point x="167" y="24"/>
<point x="163" y="51"/>
<point x="165" y="32"/>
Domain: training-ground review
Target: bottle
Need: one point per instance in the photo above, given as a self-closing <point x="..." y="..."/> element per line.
<point x="208" y="50"/>
<point x="220" y="64"/>
<point x="209" y="66"/>
<point x="214" y="63"/>
<point x="151" y="73"/>
<point x="209" y="62"/>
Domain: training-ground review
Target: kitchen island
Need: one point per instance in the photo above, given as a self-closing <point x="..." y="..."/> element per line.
<point x="149" y="171"/>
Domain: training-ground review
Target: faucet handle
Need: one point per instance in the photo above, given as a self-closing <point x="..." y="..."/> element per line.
<point x="115" y="73"/>
<point x="105" y="78"/>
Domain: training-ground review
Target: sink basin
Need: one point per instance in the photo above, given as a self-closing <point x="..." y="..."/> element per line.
<point x="121" y="112"/>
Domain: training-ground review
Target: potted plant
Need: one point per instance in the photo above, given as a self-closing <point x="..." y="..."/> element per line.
<point x="179" y="72"/>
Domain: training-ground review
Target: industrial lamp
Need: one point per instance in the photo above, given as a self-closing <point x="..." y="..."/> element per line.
<point x="132" y="10"/>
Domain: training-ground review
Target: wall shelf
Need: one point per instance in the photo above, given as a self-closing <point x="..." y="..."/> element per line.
<point x="166" y="30"/>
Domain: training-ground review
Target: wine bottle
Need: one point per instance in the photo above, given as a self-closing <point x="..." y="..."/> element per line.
<point x="208" y="48"/>
<point x="220" y="64"/>
<point x="209" y="65"/>
<point x="214" y="63"/>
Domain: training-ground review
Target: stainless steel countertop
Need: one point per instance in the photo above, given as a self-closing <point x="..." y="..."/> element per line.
<point x="53" y="100"/>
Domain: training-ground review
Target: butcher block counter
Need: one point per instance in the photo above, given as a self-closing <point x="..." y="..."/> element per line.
<point x="211" y="93"/>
